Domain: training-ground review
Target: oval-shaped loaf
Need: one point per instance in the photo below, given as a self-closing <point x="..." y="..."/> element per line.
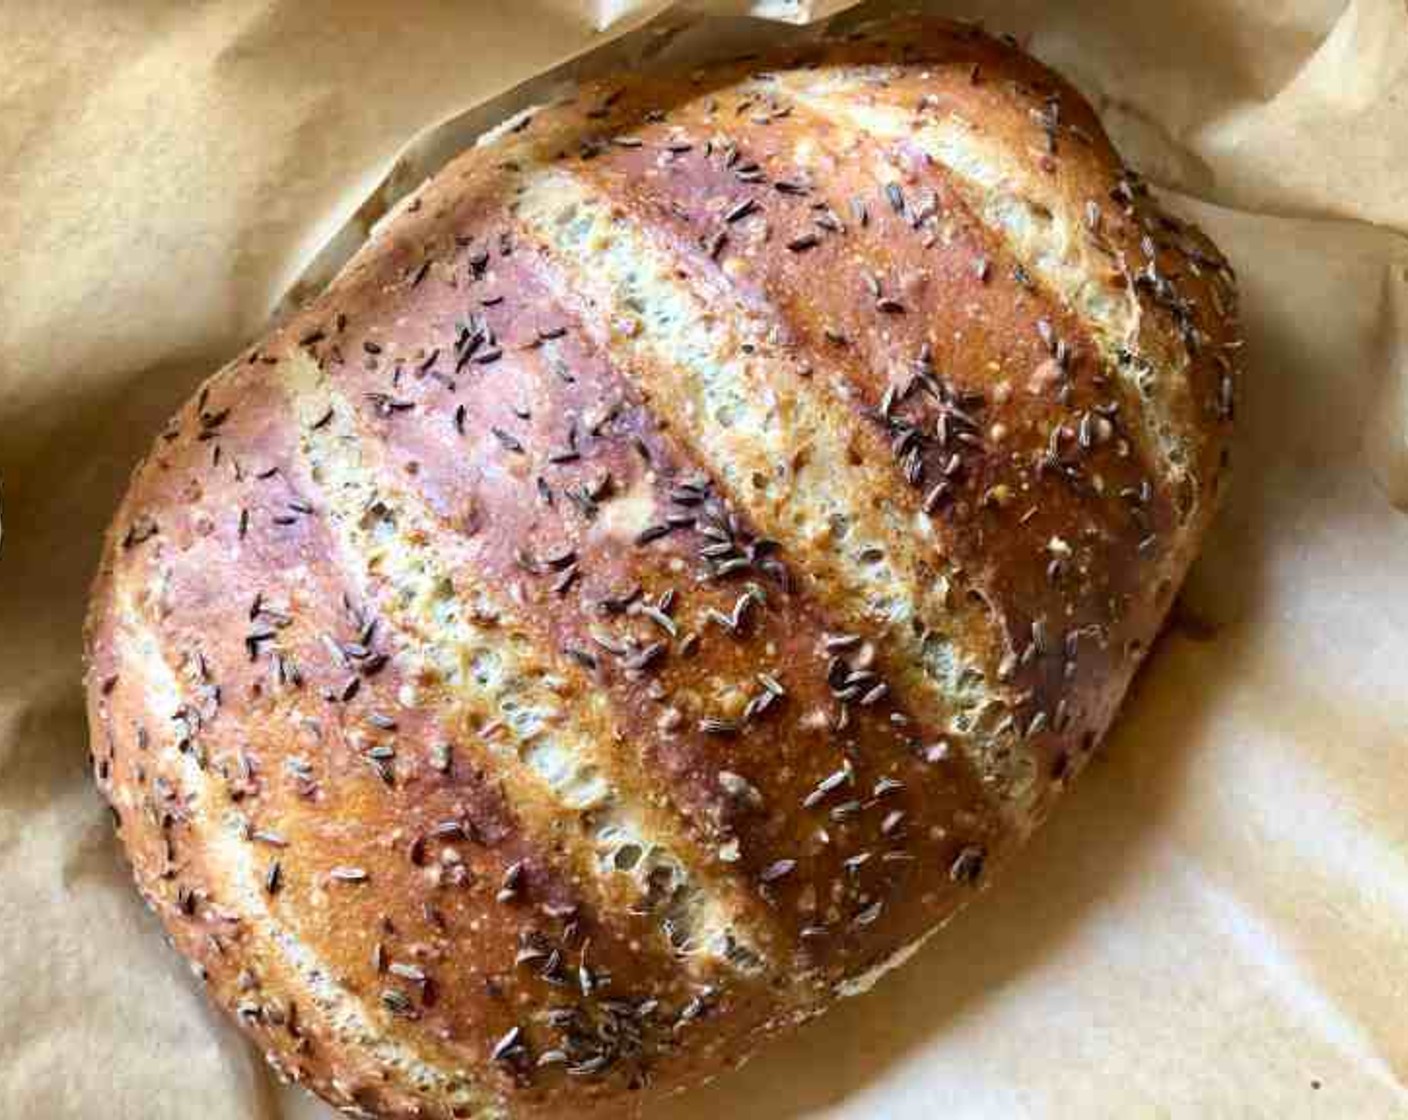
<point x="662" y="577"/>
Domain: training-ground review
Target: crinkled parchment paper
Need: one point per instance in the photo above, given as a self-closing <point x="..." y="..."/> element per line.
<point x="1216" y="924"/>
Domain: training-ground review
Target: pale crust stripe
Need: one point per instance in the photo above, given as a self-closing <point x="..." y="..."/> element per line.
<point x="555" y="757"/>
<point x="227" y="853"/>
<point x="786" y="449"/>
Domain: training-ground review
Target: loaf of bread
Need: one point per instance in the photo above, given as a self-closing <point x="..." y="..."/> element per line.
<point x="664" y="576"/>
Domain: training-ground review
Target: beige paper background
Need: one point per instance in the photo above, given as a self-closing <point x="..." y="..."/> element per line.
<point x="1215" y="925"/>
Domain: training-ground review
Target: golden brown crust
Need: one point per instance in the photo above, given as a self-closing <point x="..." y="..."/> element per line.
<point x="676" y="561"/>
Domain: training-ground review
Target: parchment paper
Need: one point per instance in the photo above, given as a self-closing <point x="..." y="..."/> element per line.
<point x="1215" y="924"/>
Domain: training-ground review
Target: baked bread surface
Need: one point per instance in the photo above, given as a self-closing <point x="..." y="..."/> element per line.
<point x="656" y="585"/>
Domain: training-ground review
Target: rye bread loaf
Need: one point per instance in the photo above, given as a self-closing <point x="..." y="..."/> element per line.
<point x="662" y="578"/>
